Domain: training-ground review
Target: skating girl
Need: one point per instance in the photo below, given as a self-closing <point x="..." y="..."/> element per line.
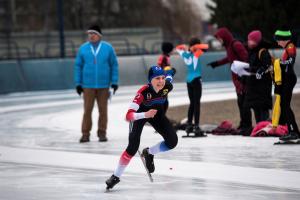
<point x="147" y="106"/>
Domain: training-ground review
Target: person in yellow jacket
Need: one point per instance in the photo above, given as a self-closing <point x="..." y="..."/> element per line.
<point x="285" y="80"/>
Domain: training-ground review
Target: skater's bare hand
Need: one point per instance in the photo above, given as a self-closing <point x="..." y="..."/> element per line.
<point x="150" y="113"/>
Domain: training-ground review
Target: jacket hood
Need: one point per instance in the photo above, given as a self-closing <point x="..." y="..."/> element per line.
<point x="225" y="35"/>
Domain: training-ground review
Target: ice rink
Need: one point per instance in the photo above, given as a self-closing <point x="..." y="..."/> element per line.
<point x="40" y="157"/>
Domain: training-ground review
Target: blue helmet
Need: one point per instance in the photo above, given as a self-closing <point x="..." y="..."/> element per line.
<point x="155" y="71"/>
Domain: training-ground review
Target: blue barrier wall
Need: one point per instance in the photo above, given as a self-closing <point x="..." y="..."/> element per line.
<point x="55" y="74"/>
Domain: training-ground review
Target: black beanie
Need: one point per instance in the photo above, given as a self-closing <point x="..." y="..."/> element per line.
<point x="194" y="41"/>
<point x="95" y="29"/>
<point x="282" y="35"/>
<point x="167" y="47"/>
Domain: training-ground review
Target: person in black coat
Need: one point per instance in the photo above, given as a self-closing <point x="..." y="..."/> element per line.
<point x="259" y="83"/>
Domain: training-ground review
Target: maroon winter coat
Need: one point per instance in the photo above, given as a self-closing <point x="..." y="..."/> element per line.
<point x="235" y="51"/>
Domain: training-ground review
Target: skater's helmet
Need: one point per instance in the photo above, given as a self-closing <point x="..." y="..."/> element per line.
<point x="155" y="71"/>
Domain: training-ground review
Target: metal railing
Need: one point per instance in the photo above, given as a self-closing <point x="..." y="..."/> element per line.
<point x="48" y="46"/>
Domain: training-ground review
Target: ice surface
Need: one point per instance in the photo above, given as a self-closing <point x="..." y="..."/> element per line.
<point x="40" y="157"/>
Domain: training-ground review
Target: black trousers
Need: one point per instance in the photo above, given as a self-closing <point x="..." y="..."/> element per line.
<point x="195" y="93"/>
<point x="166" y="106"/>
<point x="261" y="114"/>
<point x="245" y="112"/>
<point x="160" y="123"/>
<point x="286" y="92"/>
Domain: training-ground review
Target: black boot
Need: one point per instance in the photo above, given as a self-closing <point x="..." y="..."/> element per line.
<point x="149" y="160"/>
<point x="102" y="136"/>
<point x="112" y="181"/>
<point x="84" y="138"/>
<point x="103" y="139"/>
<point x="245" y="131"/>
<point x="198" y="132"/>
<point x="189" y="129"/>
<point x="290" y="136"/>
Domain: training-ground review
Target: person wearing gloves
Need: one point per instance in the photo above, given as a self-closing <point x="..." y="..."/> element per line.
<point x="235" y="50"/>
<point x="259" y="84"/>
<point x="96" y="70"/>
<point x="285" y="80"/>
<point x="191" y="56"/>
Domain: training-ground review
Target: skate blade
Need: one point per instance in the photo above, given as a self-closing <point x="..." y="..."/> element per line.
<point x="193" y="136"/>
<point x="281" y="142"/>
<point x="144" y="163"/>
<point x="107" y="189"/>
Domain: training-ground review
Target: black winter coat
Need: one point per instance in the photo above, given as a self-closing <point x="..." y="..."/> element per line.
<point x="259" y="91"/>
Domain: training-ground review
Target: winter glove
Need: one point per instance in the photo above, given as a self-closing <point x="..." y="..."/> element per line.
<point x="170" y="70"/>
<point x="115" y="87"/>
<point x="259" y="74"/>
<point x="173" y="71"/>
<point x="213" y="64"/>
<point x="79" y="89"/>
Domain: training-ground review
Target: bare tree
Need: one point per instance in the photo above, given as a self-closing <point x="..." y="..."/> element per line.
<point x="174" y="17"/>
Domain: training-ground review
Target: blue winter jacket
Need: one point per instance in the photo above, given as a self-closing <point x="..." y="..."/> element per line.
<point x="96" y="72"/>
<point x="193" y="65"/>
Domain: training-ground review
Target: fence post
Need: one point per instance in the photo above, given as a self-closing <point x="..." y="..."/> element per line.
<point x="61" y="27"/>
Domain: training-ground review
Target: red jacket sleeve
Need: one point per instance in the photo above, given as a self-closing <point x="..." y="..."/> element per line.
<point x="223" y="61"/>
<point x="135" y="105"/>
<point x="289" y="55"/>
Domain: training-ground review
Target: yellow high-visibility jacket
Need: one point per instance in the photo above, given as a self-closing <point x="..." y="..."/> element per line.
<point x="278" y="81"/>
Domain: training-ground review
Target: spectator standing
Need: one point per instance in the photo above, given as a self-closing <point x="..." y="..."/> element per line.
<point x="284" y="90"/>
<point x="259" y="85"/>
<point x="191" y="57"/>
<point x="235" y="50"/>
<point x="96" y="70"/>
<point x="165" y="63"/>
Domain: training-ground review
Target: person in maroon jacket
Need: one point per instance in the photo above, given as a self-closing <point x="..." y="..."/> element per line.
<point x="235" y="51"/>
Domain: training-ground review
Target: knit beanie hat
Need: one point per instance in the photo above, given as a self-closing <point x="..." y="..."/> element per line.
<point x="155" y="71"/>
<point x="167" y="47"/>
<point x="255" y="36"/>
<point x="283" y="34"/>
<point x="95" y="29"/>
<point x="193" y="41"/>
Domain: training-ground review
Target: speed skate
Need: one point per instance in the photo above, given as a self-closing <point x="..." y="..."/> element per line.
<point x="288" y="142"/>
<point x="144" y="163"/>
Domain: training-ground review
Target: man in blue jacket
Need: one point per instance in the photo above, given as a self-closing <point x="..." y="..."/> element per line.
<point x="96" y="69"/>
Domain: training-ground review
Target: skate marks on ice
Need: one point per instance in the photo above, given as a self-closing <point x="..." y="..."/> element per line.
<point x="172" y="168"/>
<point x="27" y="182"/>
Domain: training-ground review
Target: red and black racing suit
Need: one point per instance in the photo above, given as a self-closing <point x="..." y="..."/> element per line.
<point x="146" y="99"/>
